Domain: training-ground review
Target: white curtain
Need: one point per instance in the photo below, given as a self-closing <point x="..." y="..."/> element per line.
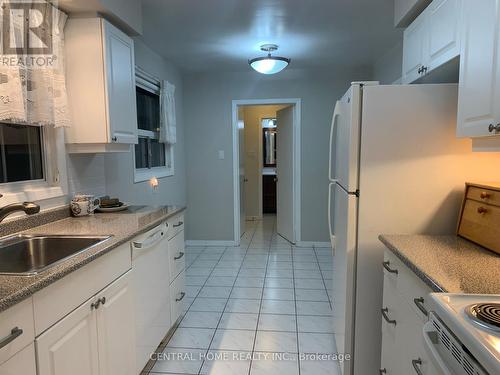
<point x="168" y="121"/>
<point x="32" y="87"/>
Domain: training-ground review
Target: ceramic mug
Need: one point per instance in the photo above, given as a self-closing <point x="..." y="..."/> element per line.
<point x="83" y="205"/>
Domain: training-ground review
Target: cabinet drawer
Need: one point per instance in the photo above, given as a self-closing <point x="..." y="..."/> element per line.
<point x="57" y="300"/>
<point x="177" y="295"/>
<point x="12" y="321"/>
<point x="484" y="195"/>
<point x="176" y="254"/>
<point x="480" y="224"/>
<point x="23" y="363"/>
<point x="175" y="225"/>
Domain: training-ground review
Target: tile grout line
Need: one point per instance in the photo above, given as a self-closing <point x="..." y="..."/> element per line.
<point x="228" y="298"/>
<point x="322" y="278"/>
<point x="260" y="305"/>
<point x="296" y="311"/>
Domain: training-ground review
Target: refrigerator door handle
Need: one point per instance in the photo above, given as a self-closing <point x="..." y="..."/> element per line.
<point x="332" y="236"/>
<point x="333" y="129"/>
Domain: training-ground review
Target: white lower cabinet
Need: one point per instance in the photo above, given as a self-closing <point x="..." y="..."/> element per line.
<point x="23" y="363"/>
<point x="116" y="328"/>
<point x="96" y="338"/>
<point x="70" y="346"/>
<point x="403" y="317"/>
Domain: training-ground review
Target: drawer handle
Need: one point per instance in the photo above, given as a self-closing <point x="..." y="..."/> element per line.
<point x="416" y="363"/>
<point x="181" y="297"/>
<point x="389" y="269"/>
<point x="485" y="195"/>
<point x="181" y="254"/>
<point x="382" y="371"/>
<point x="99" y="302"/>
<point x="420" y="304"/>
<point x="386" y="317"/>
<point x="14" y="334"/>
<point x="178" y="224"/>
<point x="481" y="210"/>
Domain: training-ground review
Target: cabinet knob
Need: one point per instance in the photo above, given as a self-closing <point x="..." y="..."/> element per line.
<point x="420" y="70"/>
<point x="481" y="210"/>
<point x="494" y="128"/>
<point x="485" y="195"/>
<point x="382" y="371"/>
<point x="114" y="139"/>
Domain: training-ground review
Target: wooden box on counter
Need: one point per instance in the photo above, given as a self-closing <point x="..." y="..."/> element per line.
<point x="480" y="216"/>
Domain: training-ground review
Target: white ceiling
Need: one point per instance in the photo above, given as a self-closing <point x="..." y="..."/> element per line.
<point x="220" y="35"/>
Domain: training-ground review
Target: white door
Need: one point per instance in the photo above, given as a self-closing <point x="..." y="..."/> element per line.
<point x="444" y="32"/>
<point x="479" y="81"/>
<point x="284" y="173"/>
<point x="344" y="140"/>
<point x="70" y="346"/>
<point x="116" y="328"/>
<point x="344" y="251"/>
<point x="242" y="178"/>
<point x="120" y="85"/>
<point x="415" y="46"/>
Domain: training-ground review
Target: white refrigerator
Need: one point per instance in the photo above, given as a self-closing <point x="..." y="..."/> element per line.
<point x="397" y="167"/>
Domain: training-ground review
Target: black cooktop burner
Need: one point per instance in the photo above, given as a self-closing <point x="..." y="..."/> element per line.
<point x="485" y="314"/>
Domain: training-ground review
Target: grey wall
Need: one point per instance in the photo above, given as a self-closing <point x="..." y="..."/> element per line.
<point x="120" y="167"/>
<point x="207" y="111"/>
<point x="388" y="68"/>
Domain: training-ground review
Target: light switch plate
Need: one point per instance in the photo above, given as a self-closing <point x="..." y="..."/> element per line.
<point x="221" y="155"/>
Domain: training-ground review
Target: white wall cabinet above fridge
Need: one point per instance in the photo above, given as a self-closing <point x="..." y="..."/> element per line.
<point x="432" y="40"/>
<point x="101" y="87"/>
<point x="479" y="96"/>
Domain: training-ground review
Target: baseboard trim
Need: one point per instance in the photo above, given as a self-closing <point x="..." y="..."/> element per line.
<point x="209" y="243"/>
<point x="313" y="244"/>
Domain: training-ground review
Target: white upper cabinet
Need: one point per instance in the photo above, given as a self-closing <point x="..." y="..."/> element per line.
<point x="415" y="49"/>
<point x="432" y="40"/>
<point x="444" y="32"/>
<point x="479" y="99"/>
<point x="101" y="86"/>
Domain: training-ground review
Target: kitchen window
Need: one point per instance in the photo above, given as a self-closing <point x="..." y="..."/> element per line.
<point x="30" y="160"/>
<point x="152" y="158"/>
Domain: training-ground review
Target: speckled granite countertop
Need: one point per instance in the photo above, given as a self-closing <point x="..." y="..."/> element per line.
<point x="122" y="226"/>
<point x="448" y="263"/>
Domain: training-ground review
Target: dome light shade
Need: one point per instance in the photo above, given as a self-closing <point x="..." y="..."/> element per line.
<point x="269" y="64"/>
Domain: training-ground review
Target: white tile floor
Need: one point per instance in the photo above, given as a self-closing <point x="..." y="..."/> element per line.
<point x="253" y="309"/>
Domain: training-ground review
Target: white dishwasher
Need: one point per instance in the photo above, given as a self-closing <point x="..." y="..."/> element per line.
<point x="151" y="280"/>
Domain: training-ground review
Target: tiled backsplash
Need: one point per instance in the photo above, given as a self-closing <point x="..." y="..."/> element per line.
<point x="86" y="174"/>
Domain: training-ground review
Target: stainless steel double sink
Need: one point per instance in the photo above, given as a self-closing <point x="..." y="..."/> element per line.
<point x="26" y="255"/>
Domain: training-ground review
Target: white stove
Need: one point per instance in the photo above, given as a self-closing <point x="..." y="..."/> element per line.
<point x="463" y="333"/>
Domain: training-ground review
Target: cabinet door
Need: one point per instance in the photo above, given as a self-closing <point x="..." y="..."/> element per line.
<point x="70" y="346"/>
<point x="444" y="32"/>
<point x="479" y="81"/>
<point x="120" y="85"/>
<point x="116" y="328"/>
<point x="415" y="46"/>
<point x="23" y="363"/>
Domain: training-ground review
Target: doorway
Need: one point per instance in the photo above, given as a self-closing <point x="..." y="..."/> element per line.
<point x="266" y="167"/>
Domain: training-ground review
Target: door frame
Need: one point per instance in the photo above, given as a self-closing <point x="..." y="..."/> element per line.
<point x="296" y="103"/>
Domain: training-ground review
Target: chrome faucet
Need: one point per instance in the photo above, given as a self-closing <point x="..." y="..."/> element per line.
<point x="29" y="208"/>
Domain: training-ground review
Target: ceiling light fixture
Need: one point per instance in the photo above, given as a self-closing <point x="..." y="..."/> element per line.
<point x="269" y="64"/>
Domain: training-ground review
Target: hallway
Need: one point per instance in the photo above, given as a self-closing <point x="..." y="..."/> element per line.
<point x="252" y="309"/>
